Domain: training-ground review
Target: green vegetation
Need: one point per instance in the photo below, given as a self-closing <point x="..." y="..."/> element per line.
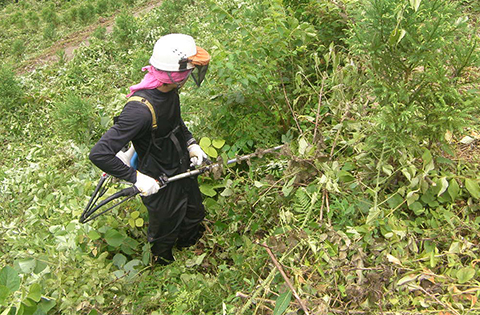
<point x="371" y="208"/>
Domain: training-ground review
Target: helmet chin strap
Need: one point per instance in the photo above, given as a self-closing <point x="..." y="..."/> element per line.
<point x="173" y="81"/>
<point x="179" y="84"/>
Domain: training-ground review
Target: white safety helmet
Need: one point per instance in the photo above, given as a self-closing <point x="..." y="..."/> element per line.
<point x="178" y="52"/>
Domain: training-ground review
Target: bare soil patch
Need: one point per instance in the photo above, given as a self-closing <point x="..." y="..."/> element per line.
<point x="74" y="40"/>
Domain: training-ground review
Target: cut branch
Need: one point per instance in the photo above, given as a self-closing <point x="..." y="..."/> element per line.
<point x="282" y="272"/>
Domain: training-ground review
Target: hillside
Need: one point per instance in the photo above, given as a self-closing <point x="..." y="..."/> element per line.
<point x="371" y="206"/>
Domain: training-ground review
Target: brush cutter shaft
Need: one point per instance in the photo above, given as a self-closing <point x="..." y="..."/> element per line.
<point x="212" y="166"/>
<point x="163" y="181"/>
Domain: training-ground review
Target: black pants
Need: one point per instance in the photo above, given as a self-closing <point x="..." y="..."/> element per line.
<point x="175" y="214"/>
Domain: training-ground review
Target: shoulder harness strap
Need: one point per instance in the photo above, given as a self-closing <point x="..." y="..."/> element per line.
<point x="150" y="107"/>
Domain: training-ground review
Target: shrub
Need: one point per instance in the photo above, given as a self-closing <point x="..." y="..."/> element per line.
<point x="327" y="17"/>
<point x="18" y="47"/>
<point x="18" y="20"/>
<point x="125" y="28"/>
<point x="75" y="118"/>
<point x="33" y="19"/>
<point x="72" y="14"/>
<point x="102" y="7"/>
<point x="50" y="32"/>
<point x="49" y="15"/>
<point x="10" y="89"/>
<point x="415" y="52"/>
<point x="100" y="32"/>
<point x="86" y="13"/>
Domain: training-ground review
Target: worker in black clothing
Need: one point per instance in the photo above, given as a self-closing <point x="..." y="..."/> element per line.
<point x="151" y="120"/>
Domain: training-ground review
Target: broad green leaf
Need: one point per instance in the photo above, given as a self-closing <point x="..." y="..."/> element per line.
<point x="373" y="213"/>
<point x="473" y="188"/>
<point x="345" y="176"/>
<point x="135" y="214"/>
<point x="27" y="265"/>
<point x="443" y="185"/>
<point x="139" y="222"/>
<point x="417" y="207"/>
<point x="93" y="235"/>
<point x="146" y="254"/>
<point x="9" y="278"/>
<point x="302" y="146"/>
<point x="100" y="299"/>
<point x="227" y="192"/>
<point x="4" y="293"/>
<point x="114" y="238"/>
<point x="396" y="36"/>
<point x="282" y="302"/>
<point x="387" y="169"/>
<point x="218" y="143"/>
<point x="130" y="266"/>
<point x="453" y="189"/>
<point x="46" y="304"/>
<point x="119" y="260"/>
<point x="428" y="164"/>
<point x="119" y="273"/>
<point x="40" y="266"/>
<point x="258" y="184"/>
<point x="288" y="187"/>
<point x="105" y="121"/>
<point x="35" y="292"/>
<point x="465" y="274"/>
<point x="196" y="261"/>
<point x="412" y="196"/>
<point x="28" y="307"/>
<point x="205" y="143"/>
<point x="455" y="248"/>
<point x="395" y="200"/>
<point x="210" y="151"/>
<point x="207" y="190"/>
<point x="415" y="4"/>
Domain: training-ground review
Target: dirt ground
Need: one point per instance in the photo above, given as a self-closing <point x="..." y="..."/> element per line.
<point x="76" y="39"/>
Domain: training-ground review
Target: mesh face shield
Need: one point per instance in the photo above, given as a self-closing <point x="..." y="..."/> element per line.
<point x="198" y="74"/>
<point x="200" y="63"/>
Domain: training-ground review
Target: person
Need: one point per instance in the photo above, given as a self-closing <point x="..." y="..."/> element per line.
<point x="151" y="120"/>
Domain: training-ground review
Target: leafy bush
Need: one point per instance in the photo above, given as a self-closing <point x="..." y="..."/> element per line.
<point x="416" y="53"/>
<point x="125" y="29"/>
<point x="49" y="14"/>
<point x="102" y="7"/>
<point x="100" y="32"/>
<point x="18" y="47"/>
<point x="328" y="17"/>
<point x="76" y="118"/>
<point x="50" y="32"/>
<point x="33" y="19"/>
<point x="10" y="89"/>
<point x="86" y="13"/>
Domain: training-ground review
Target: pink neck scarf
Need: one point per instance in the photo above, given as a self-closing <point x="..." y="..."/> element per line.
<point x="155" y="78"/>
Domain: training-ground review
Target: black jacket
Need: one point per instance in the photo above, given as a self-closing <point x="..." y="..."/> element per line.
<point x="135" y="124"/>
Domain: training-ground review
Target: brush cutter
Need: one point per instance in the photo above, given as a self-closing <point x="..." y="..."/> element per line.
<point x="130" y="192"/>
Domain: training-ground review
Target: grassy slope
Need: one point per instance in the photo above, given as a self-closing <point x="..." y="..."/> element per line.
<point x="46" y="180"/>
